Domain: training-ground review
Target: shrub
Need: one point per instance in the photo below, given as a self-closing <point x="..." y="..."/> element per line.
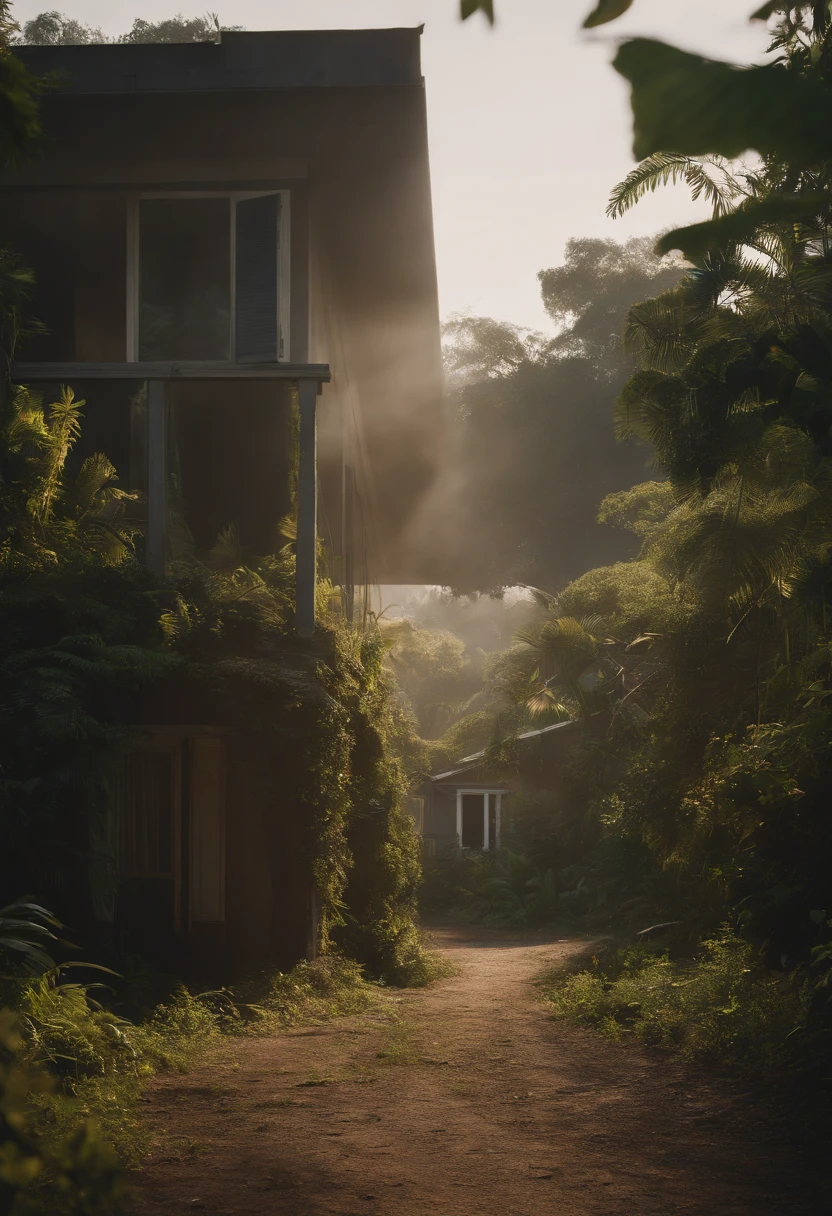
<point x="500" y="889"/>
<point x="721" y="1006"/>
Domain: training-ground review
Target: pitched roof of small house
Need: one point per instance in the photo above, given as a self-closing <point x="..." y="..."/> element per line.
<point x="468" y="762"/>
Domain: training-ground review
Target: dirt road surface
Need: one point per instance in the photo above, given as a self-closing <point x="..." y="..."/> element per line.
<point x="464" y="1099"/>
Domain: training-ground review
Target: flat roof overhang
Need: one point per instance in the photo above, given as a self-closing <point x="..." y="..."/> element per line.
<point x="271" y="59"/>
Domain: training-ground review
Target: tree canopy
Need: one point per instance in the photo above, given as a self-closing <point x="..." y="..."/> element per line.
<point x="53" y="28"/>
<point x="534" y="452"/>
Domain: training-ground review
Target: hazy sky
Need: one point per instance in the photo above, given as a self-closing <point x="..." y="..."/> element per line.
<point x="529" y="124"/>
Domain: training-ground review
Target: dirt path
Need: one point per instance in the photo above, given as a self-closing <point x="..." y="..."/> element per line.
<point x="465" y="1099"/>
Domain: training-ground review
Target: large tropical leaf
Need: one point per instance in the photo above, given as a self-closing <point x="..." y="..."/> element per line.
<point x="467" y="8"/>
<point x="25" y="928"/>
<point x="606" y="10"/>
<point x="693" y="106"/>
<point x="742" y="225"/>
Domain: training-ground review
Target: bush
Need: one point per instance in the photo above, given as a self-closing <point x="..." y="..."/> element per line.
<point x="721" y="1006"/>
<point x="86" y="1066"/>
<point x="500" y="889"/>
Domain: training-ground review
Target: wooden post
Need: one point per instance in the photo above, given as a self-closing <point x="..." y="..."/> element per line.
<point x="156" y="543"/>
<point x="307" y="544"/>
<point x="486" y="808"/>
<point x="459" y="819"/>
<point x="497" y="815"/>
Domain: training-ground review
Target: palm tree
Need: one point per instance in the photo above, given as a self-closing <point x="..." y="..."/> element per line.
<point x="551" y="656"/>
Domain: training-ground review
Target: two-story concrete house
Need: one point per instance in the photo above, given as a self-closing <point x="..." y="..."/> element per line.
<point x="227" y="237"/>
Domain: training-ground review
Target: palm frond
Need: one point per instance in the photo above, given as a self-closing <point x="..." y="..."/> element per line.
<point x="707" y="177"/>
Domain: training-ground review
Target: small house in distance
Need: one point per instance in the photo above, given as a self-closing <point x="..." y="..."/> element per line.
<point x="233" y="249"/>
<point x="463" y="807"/>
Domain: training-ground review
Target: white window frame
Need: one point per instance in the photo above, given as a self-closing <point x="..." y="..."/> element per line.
<point x="486" y="816"/>
<point x="284" y="267"/>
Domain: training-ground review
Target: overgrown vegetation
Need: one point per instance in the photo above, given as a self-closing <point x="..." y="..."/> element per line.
<point x="53" y="28"/>
<point x="718" y="1007"/>
<point x="533" y="411"/>
<point x="89" y="636"/>
<point x="71" y="1070"/>
<point x="697" y="799"/>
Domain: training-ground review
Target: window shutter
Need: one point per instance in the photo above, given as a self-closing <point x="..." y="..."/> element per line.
<point x="256" y="279"/>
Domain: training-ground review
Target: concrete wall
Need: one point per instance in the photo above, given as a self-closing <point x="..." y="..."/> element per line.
<point x="363" y="273"/>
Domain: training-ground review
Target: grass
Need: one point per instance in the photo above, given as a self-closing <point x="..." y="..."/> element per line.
<point x="95" y="1064"/>
<point x="721" y="1006"/>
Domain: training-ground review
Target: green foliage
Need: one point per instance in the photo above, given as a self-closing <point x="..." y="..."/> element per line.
<point x="695" y="106"/>
<point x="553" y="656"/>
<point x="537" y="410"/>
<point x="71" y="1072"/>
<point x="374" y="912"/>
<point x="430" y="669"/>
<point x="742" y="225"/>
<point x="502" y="889"/>
<point x="606" y="10"/>
<point x="708" y="177"/>
<point x="465" y="737"/>
<point x="176" y="29"/>
<point x="86" y="628"/>
<point x="56" y="29"/>
<point x="721" y="1007"/>
<point x="25" y="928"/>
<point x="79" y="1172"/>
<point x="630" y="597"/>
<point x="20" y="129"/>
<point x="467" y="8"/>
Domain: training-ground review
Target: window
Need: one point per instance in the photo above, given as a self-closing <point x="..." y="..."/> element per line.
<point x="148" y="817"/>
<point x="184" y="279"/>
<point x="209" y="277"/>
<point x="478" y="818"/>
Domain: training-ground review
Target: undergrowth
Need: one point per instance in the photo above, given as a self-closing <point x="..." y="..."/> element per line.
<point x="721" y="1006"/>
<point x="85" y="1066"/>
<point x="500" y="889"/>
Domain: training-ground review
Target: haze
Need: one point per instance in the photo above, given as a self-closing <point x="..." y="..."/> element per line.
<point x="529" y="124"/>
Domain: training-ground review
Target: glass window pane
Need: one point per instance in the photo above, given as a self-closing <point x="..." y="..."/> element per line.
<point x="185" y="278"/>
<point x="256" y="277"/>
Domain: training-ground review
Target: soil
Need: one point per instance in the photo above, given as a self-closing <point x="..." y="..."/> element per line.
<point x="460" y="1099"/>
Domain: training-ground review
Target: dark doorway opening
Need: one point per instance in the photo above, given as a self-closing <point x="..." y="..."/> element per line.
<point x="472" y="821"/>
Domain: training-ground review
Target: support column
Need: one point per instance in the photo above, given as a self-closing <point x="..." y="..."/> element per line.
<point x="497" y="813"/>
<point x="307" y="543"/>
<point x="348" y="541"/>
<point x="486" y="808"/>
<point x="459" y="819"/>
<point x="157" y="476"/>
